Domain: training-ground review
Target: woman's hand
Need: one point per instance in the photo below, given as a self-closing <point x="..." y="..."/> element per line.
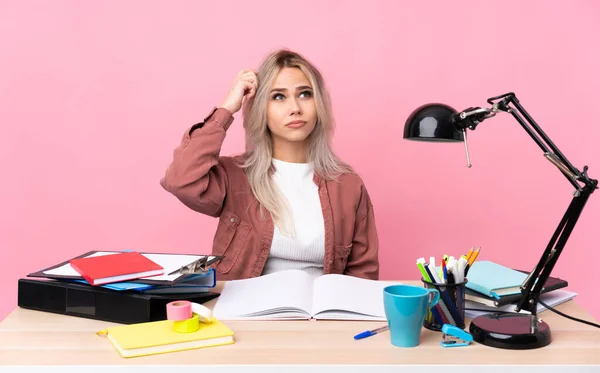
<point x="244" y="85"/>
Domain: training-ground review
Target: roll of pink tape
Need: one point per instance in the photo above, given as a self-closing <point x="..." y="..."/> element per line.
<point x="179" y="310"/>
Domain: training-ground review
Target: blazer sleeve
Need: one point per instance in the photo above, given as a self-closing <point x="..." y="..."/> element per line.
<point x="364" y="257"/>
<point x="196" y="175"/>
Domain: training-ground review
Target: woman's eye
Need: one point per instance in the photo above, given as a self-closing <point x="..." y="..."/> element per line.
<point x="306" y="94"/>
<point x="278" y="96"/>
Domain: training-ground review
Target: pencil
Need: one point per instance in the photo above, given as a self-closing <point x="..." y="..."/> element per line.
<point x="469" y="254"/>
<point x="473" y="256"/>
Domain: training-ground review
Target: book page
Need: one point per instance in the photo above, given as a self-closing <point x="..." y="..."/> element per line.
<point x="348" y="298"/>
<point x="285" y="294"/>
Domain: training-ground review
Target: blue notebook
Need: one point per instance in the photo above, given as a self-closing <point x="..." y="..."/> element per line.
<point x="494" y="280"/>
<point x="190" y="284"/>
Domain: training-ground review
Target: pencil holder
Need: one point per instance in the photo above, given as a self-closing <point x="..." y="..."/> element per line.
<point x="451" y="307"/>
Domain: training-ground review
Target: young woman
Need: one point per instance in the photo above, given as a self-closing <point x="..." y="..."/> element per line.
<point x="288" y="202"/>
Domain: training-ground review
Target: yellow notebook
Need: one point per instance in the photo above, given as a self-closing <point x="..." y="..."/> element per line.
<point x="158" y="337"/>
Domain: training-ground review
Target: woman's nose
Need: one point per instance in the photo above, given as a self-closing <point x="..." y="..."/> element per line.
<point x="294" y="107"/>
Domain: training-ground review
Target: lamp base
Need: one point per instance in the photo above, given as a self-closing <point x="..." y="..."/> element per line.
<point x="510" y="331"/>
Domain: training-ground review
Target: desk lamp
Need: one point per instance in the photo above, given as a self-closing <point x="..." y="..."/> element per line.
<point x="441" y="123"/>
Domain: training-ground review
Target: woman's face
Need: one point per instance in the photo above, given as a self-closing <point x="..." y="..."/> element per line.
<point x="291" y="110"/>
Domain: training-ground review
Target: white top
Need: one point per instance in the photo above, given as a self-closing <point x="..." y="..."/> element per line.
<point x="304" y="250"/>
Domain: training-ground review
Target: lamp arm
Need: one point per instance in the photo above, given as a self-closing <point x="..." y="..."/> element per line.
<point x="534" y="283"/>
<point x="532" y="286"/>
<point x="551" y="151"/>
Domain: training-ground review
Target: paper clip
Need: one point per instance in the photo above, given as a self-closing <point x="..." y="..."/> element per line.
<point x="455" y="337"/>
<point x="199" y="266"/>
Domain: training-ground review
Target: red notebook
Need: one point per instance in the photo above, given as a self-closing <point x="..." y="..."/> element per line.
<point x="105" y="269"/>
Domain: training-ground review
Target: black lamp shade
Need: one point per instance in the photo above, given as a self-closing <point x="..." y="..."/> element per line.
<point x="432" y="122"/>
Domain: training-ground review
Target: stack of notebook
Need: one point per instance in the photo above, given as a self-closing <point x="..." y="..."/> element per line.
<point x="151" y="273"/>
<point x="494" y="287"/>
<point x="134" y="289"/>
<point x="119" y="286"/>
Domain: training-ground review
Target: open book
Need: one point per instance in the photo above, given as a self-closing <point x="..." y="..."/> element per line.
<point x="294" y="294"/>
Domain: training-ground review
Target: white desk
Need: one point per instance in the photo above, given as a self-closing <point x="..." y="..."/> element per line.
<point x="30" y="340"/>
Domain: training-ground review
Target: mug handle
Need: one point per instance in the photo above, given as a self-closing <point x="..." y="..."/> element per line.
<point x="436" y="297"/>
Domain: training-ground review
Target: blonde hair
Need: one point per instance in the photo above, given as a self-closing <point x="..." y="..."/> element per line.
<point x="257" y="160"/>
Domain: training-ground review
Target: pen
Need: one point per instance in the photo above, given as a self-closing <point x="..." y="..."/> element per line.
<point x="451" y="280"/>
<point x="436" y="279"/>
<point x="429" y="274"/>
<point x="369" y="333"/>
<point x="445" y="271"/>
<point x="462" y="263"/>
<point x="421" y="265"/>
<point x="434" y="309"/>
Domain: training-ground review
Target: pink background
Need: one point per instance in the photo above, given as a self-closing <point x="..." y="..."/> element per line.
<point x="94" y="97"/>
